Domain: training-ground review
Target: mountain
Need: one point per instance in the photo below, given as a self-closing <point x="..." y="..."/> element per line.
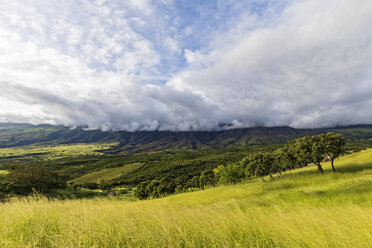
<point x="12" y="135"/>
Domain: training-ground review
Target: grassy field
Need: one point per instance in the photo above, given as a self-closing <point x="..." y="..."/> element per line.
<point x="107" y="174"/>
<point x="54" y="152"/>
<point x="3" y="173"/>
<point x="304" y="209"/>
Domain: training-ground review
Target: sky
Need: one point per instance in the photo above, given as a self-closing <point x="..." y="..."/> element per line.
<point x="185" y="65"/>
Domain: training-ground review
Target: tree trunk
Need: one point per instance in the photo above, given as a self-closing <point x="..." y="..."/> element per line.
<point x="280" y="174"/>
<point x="320" y="168"/>
<point x="333" y="168"/>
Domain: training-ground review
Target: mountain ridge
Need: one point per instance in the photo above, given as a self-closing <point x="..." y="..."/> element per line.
<point x="12" y="135"/>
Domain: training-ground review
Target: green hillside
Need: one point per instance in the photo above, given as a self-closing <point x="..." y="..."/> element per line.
<point x="106" y="174"/>
<point x="54" y="151"/>
<point x="304" y="209"/>
<point x="13" y="135"/>
<point x="84" y="164"/>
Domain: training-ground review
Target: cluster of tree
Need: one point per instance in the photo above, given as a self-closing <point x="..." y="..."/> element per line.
<point x="102" y="185"/>
<point x="25" y="180"/>
<point x="295" y="154"/>
<point x="167" y="185"/>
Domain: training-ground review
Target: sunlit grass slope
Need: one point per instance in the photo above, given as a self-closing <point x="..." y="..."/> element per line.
<point x="55" y="151"/>
<point x="107" y="174"/>
<point x="3" y="173"/>
<point x="304" y="209"/>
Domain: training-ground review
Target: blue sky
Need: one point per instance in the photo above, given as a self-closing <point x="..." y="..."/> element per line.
<point x="167" y="28"/>
<point x="186" y="65"/>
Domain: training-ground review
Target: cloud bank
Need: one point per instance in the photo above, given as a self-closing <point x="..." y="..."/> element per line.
<point x="146" y="65"/>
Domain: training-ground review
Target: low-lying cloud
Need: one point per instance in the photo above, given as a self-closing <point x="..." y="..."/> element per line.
<point x="306" y="65"/>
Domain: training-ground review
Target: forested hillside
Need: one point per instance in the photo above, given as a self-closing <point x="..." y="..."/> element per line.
<point x="12" y="135"/>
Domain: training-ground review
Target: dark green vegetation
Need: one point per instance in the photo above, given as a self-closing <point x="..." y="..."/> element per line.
<point x="117" y="171"/>
<point x="172" y="167"/>
<point x="12" y="135"/>
<point x="24" y="181"/>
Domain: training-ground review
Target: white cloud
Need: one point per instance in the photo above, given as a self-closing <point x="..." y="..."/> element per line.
<point x="143" y="5"/>
<point x="309" y="66"/>
<point x="172" y="44"/>
<point x="188" y="31"/>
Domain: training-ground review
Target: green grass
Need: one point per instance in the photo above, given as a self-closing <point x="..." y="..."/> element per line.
<point x="3" y="173"/>
<point x="304" y="209"/>
<point x="107" y="174"/>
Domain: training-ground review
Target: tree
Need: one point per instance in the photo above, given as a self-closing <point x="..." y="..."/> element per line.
<point x="207" y="177"/>
<point x="334" y="146"/>
<point x="180" y="182"/>
<point x="280" y="161"/>
<point x="289" y="156"/>
<point x="267" y="165"/>
<point x="307" y="151"/>
<point x="140" y="190"/>
<point x="229" y="174"/>
<point x="259" y="165"/>
<point x="193" y="183"/>
<point x="310" y="150"/>
<point x="166" y="186"/>
<point x="250" y="164"/>
<point x="302" y="148"/>
<point x="318" y="151"/>
<point x="152" y="189"/>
